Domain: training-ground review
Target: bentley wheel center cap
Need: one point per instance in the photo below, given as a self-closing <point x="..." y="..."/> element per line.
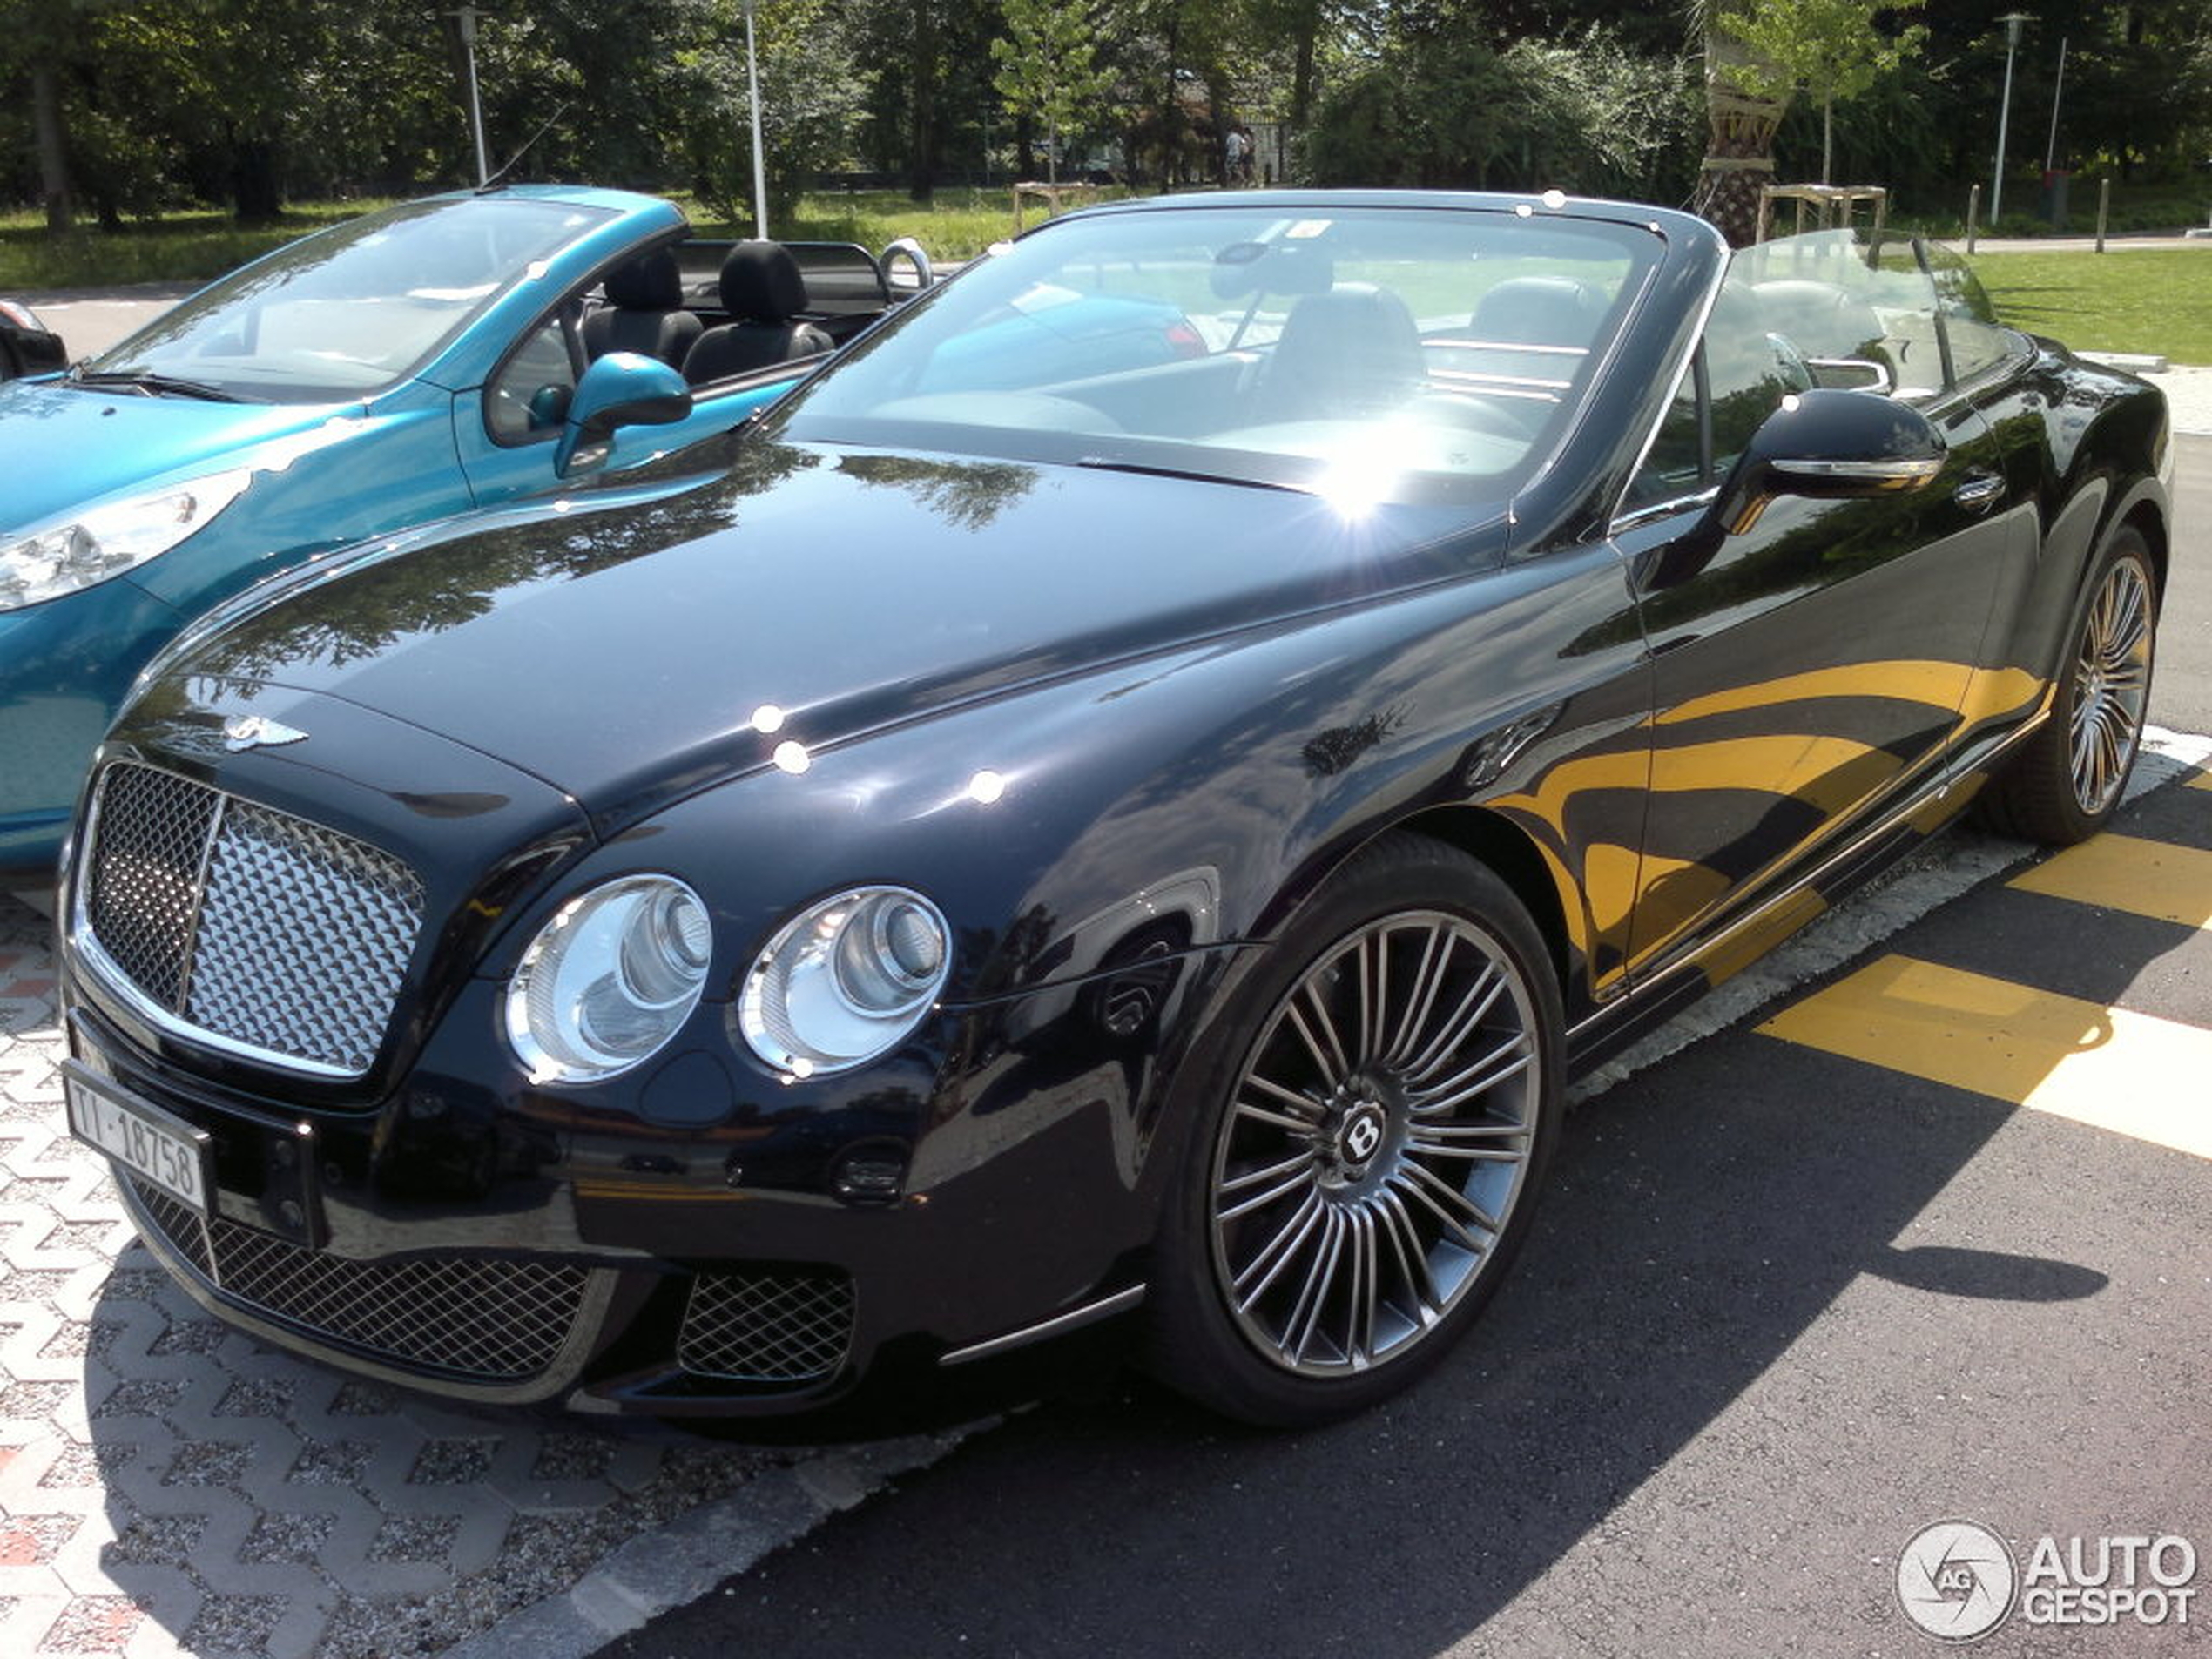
<point x="1361" y="1136"/>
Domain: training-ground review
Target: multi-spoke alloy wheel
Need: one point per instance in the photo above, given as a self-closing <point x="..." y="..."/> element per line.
<point x="1376" y="1143"/>
<point x="2067" y="779"/>
<point x="1378" y="1128"/>
<point x="2111" y="684"/>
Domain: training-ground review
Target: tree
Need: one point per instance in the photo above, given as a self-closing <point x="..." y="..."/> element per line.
<point x="1046" y="68"/>
<point x="813" y="92"/>
<point x="1829" y="49"/>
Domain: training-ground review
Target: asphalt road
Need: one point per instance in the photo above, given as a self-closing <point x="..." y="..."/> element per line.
<point x="1783" y="1308"/>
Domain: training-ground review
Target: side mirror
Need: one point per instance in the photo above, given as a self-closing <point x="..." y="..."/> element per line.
<point x="623" y="388"/>
<point x="1830" y="445"/>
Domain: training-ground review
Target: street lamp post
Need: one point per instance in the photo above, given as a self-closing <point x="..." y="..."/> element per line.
<point x="759" y="168"/>
<point x="2013" y="21"/>
<point x="467" y="16"/>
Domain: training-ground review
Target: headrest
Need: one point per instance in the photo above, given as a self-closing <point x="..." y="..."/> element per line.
<point x="650" y="282"/>
<point x="1538" y="311"/>
<point x="761" y="281"/>
<point x="1245" y="269"/>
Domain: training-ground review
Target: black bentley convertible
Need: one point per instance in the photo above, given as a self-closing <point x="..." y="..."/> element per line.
<point x="1123" y="799"/>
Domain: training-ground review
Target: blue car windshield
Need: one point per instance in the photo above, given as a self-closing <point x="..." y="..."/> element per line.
<point x="1397" y="353"/>
<point x="344" y="313"/>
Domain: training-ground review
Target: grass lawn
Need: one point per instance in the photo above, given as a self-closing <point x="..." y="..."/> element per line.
<point x="199" y="246"/>
<point x="2139" y="299"/>
<point x="176" y="247"/>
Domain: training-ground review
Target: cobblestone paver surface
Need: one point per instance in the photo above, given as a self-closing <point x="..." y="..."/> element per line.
<point x="170" y="1485"/>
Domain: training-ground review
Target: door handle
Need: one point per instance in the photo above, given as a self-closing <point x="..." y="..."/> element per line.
<point x="1981" y="491"/>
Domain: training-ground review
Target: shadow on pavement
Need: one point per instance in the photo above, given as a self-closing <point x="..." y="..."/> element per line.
<point x="1681" y="1250"/>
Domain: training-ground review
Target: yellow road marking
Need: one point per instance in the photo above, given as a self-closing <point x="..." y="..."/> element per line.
<point x="2199" y="781"/>
<point x="2128" y="873"/>
<point x="2134" y="1074"/>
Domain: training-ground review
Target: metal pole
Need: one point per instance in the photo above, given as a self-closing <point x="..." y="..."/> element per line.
<point x="1973" y="215"/>
<point x="2058" y="91"/>
<point x="468" y="15"/>
<point x="759" y="168"/>
<point x="2012" y="22"/>
<point x="2104" y="207"/>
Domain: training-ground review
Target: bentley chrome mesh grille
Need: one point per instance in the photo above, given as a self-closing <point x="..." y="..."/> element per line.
<point x="246" y="924"/>
<point x="781" y="1327"/>
<point x="145" y="886"/>
<point x="489" y="1319"/>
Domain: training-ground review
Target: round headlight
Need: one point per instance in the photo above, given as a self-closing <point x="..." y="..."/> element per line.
<point x="609" y="979"/>
<point x="845" y="979"/>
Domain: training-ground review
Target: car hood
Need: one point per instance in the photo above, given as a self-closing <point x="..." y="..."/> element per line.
<point x="626" y="652"/>
<point x="67" y="447"/>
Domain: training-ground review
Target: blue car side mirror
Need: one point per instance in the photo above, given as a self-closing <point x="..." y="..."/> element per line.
<point x="623" y="388"/>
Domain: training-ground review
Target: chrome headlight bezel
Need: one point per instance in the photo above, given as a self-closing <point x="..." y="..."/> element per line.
<point x="111" y="538"/>
<point x="845" y="980"/>
<point x="642" y="946"/>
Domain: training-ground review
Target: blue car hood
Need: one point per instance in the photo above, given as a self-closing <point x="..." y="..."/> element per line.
<point x="63" y="447"/>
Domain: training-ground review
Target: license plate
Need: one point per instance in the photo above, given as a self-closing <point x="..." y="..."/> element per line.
<point x="160" y="1147"/>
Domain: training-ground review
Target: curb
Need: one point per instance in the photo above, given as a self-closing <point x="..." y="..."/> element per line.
<point x="657" y="1572"/>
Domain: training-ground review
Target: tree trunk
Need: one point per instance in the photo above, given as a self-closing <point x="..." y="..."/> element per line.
<point x="53" y="153"/>
<point x="1302" y="74"/>
<point x="255" y="191"/>
<point x="1827" y="140"/>
<point x="1171" y="106"/>
<point x="1025" y="148"/>
<point x="1739" y="146"/>
<point x="921" y="137"/>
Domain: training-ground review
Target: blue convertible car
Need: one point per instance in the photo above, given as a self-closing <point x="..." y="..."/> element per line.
<point x="435" y="357"/>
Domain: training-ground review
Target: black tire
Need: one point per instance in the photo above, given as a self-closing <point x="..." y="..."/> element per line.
<point x="1320" y="1256"/>
<point x="2067" y="780"/>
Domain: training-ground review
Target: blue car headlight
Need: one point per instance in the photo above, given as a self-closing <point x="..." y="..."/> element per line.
<point x="609" y="980"/>
<point x="845" y="979"/>
<point x="105" y="541"/>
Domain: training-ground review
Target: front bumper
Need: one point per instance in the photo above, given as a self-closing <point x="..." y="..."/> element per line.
<point x="482" y="1250"/>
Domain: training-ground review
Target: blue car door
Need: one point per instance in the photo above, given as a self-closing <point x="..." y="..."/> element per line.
<point x="504" y="431"/>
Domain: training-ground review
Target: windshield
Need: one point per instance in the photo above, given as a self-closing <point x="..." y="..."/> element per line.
<point x="347" y="312"/>
<point x="1419" y="353"/>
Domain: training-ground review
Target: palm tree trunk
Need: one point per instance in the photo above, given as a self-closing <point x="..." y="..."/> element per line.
<point x="1739" y="145"/>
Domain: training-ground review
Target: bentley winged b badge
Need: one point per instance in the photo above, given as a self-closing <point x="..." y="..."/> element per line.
<point x="257" y="731"/>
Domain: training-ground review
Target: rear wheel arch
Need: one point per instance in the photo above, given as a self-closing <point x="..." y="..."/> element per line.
<point x="2147" y="521"/>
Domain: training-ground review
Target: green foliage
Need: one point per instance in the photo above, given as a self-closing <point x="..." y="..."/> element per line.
<point x="1586" y="115"/>
<point x="170" y="104"/>
<point x="1829" y="48"/>
<point x="1047" y="68"/>
<point x="813" y="95"/>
